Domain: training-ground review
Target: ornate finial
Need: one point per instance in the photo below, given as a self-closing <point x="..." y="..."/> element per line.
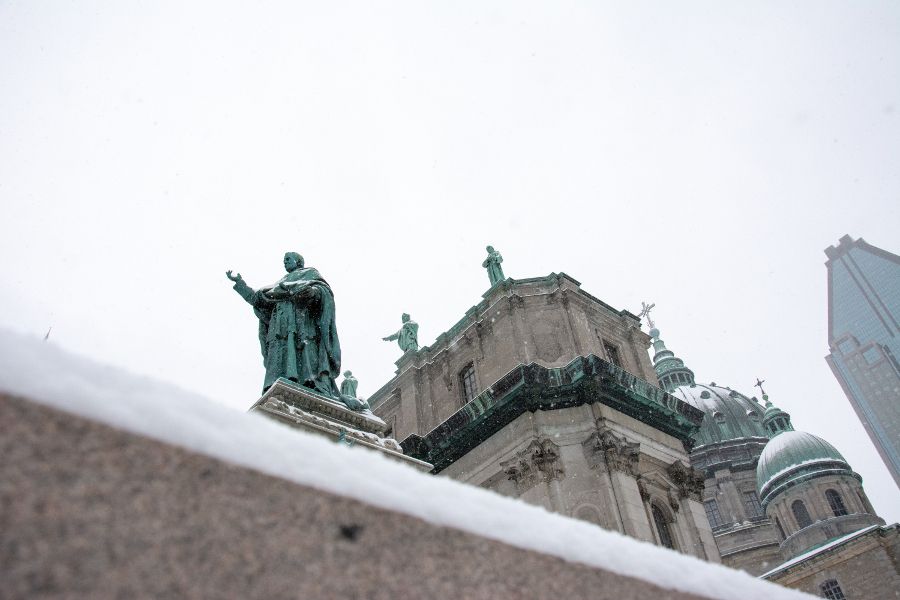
<point x="645" y="312"/>
<point x="758" y="384"/>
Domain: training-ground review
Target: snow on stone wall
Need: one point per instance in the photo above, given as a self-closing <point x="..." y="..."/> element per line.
<point x="43" y="372"/>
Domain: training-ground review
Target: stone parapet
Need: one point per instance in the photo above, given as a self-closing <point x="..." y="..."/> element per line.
<point x="90" y="511"/>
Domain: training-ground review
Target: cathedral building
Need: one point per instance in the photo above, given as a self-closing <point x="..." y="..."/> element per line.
<point x="546" y="393"/>
<point x="782" y="504"/>
<point x="726" y="449"/>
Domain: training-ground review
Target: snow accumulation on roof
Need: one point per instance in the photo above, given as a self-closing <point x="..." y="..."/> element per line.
<point x="819" y="550"/>
<point x="43" y="372"/>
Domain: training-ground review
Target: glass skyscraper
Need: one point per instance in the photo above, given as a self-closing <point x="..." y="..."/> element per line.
<point x="864" y="338"/>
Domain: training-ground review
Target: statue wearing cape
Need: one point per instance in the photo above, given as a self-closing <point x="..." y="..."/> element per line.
<point x="297" y="333"/>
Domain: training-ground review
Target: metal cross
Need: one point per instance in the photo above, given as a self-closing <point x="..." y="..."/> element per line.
<point x="645" y="312"/>
<point x="758" y="384"/>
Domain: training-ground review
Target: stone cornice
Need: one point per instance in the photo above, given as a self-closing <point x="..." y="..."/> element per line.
<point x="528" y="388"/>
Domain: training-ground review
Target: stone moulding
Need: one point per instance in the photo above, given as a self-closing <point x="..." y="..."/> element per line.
<point x="305" y="399"/>
<point x="308" y="411"/>
<point x="532" y="387"/>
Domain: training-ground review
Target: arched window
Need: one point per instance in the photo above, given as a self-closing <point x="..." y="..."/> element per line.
<point x="836" y="503"/>
<point x="467" y="383"/>
<point x="831" y="589"/>
<point x="801" y="514"/>
<point x="662" y="527"/>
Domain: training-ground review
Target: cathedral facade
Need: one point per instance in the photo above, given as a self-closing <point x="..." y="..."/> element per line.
<point x="545" y="393"/>
<point x="783" y="504"/>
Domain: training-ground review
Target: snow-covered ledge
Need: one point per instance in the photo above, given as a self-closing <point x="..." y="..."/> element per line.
<point x="317" y="479"/>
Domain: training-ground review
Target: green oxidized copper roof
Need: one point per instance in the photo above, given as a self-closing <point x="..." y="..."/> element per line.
<point x="533" y="387"/>
<point x="792" y="456"/>
<point x="728" y="414"/>
<point x="669" y="368"/>
<point x="776" y="421"/>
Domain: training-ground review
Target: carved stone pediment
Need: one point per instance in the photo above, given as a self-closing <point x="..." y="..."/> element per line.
<point x="606" y="447"/>
<point x="656" y="483"/>
<point x="539" y="461"/>
<point x="689" y="481"/>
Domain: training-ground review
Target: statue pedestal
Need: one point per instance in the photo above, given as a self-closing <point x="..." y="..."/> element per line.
<point x="304" y="409"/>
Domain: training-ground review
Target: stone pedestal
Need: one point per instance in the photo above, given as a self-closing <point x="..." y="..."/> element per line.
<point x="304" y="409"/>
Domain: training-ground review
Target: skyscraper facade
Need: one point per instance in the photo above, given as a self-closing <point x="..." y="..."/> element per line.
<point x="864" y="338"/>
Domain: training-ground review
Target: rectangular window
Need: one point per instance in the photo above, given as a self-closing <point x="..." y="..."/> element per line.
<point x="848" y="345"/>
<point x="872" y="355"/>
<point x="831" y="589"/>
<point x="612" y="354"/>
<point x="712" y="513"/>
<point x="467" y="383"/>
<point x="751" y="502"/>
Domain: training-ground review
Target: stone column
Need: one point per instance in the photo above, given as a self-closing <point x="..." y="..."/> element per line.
<point x="686" y="500"/>
<point x="619" y="459"/>
<point x="538" y="463"/>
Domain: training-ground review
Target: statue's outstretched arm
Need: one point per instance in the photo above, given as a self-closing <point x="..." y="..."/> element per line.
<point x="241" y="287"/>
<point x="392" y="337"/>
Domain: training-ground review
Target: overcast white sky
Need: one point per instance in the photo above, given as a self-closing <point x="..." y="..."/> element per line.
<point x="700" y="156"/>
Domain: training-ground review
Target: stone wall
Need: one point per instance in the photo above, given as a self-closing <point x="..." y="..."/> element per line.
<point x="594" y="463"/>
<point x="746" y="541"/>
<point x="825" y="525"/>
<point x="865" y="567"/>
<point x="547" y="320"/>
<point x="89" y="511"/>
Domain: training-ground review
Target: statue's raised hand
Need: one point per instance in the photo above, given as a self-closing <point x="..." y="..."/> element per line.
<point x="234" y="278"/>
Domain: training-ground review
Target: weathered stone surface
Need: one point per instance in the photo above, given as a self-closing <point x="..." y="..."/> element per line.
<point x="865" y="566"/>
<point x="305" y="410"/>
<point x="545" y="320"/>
<point x="89" y="511"/>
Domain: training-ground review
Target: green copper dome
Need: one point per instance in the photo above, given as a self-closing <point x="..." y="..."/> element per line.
<point x="794" y="456"/>
<point x="728" y="414"/>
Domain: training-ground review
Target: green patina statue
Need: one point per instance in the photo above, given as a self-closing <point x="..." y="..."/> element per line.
<point x="407" y="337"/>
<point x="297" y="332"/>
<point x="492" y="264"/>
<point x="348" y="385"/>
